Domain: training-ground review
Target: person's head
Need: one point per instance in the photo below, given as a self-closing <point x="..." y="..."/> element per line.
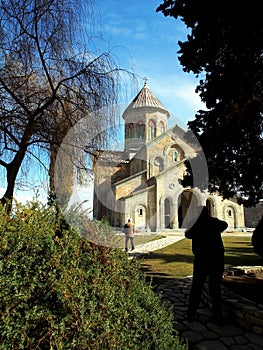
<point x="201" y="212"/>
<point x="129" y="220"/>
<point x="204" y="211"/>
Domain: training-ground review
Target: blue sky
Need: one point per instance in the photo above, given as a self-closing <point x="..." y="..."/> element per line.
<point x="143" y="41"/>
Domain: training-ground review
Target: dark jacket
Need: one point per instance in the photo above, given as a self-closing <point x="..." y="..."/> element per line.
<point x="206" y="237"/>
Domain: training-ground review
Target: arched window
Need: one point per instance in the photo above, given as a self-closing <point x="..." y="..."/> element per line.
<point x="127" y="131"/>
<point x="175" y="153"/>
<point x="152" y="129"/>
<point x="140" y="217"/>
<point x="158" y="162"/>
<point x="141" y="128"/>
<point x="230" y="217"/>
<point x="131" y="130"/>
<point x="230" y="211"/>
<point x="161" y="128"/>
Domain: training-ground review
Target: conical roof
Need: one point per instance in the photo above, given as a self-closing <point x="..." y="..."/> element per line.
<point x="145" y="98"/>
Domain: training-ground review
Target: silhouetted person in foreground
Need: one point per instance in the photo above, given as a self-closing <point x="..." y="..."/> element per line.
<point x="257" y="238"/>
<point x="208" y="250"/>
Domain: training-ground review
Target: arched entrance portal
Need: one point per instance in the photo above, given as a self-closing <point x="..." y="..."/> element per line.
<point x="187" y="203"/>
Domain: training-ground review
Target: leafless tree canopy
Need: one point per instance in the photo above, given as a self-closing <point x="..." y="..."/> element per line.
<point x="49" y="79"/>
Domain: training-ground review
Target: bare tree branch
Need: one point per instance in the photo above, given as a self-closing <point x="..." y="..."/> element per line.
<point x="49" y="82"/>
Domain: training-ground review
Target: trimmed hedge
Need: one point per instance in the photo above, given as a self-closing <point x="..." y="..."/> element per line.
<point x="62" y="292"/>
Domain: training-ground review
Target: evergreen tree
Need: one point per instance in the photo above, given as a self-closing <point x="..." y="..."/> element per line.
<point x="224" y="49"/>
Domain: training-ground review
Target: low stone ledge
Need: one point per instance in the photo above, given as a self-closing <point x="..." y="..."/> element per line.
<point x="244" y="312"/>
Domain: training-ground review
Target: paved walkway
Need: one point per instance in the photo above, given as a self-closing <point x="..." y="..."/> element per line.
<point x="155" y="245"/>
<point x="201" y="334"/>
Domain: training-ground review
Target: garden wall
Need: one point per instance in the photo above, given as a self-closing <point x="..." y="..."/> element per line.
<point x="244" y="312"/>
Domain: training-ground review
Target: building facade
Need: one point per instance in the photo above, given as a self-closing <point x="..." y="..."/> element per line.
<point x="142" y="182"/>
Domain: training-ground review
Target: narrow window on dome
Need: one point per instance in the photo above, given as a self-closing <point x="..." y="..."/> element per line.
<point x="131" y="128"/>
<point x="140" y="130"/>
<point x="161" y="128"/>
<point x="152" y="129"/>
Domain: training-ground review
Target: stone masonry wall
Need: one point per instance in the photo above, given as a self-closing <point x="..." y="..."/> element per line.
<point x="246" y="313"/>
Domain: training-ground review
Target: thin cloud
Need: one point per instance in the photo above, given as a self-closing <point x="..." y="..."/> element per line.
<point x="186" y="92"/>
<point x="134" y="33"/>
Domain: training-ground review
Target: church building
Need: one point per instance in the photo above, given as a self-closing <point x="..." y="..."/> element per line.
<point x="142" y="182"/>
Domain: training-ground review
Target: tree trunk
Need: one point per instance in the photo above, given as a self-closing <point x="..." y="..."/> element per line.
<point x="14" y="166"/>
<point x="61" y="167"/>
<point x="11" y="175"/>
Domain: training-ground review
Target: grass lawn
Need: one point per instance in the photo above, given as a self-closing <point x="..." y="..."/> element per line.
<point x="176" y="260"/>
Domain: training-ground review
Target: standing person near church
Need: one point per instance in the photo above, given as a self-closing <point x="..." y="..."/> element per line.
<point x="208" y="250"/>
<point x="129" y="235"/>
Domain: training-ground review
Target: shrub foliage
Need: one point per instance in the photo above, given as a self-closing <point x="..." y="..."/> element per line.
<point x="63" y="292"/>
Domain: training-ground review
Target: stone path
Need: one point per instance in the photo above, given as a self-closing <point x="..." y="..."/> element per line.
<point x="155" y="245"/>
<point x="201" y="334"/>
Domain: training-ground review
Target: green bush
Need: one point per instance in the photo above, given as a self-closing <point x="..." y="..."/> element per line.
<point x="62" y="292"/>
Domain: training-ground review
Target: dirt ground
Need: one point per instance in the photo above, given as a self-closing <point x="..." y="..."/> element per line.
<point x="249" y="285"/>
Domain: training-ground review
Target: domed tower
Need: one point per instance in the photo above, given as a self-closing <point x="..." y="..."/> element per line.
<point x="145" y="119"/>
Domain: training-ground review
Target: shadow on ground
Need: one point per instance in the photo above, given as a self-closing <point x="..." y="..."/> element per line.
<point x="155" y="278"/>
